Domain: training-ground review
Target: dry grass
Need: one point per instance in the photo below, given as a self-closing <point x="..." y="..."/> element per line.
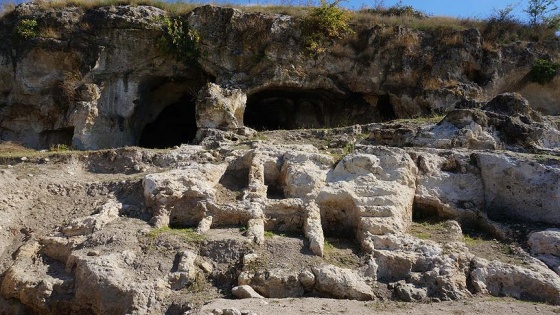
<point x="453" y="40"/>
<point x="174" y="8"/>
<point x="368" y="18"/>
<point x="501" y="32"/>
<point x="431" y="83"/>
<point x="10" y="149"/>
<point x="49" y="32"/>
<point x="295" y="11"/>
<point x="6" y="8"/>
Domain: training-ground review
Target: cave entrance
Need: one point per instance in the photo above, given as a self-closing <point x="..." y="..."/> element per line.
<point x="294" y="108"/>
<point x="55" y="138"/>
<point x="175" y="125"/>
<point x="166" y="114"/>
<point x="385" y="108"/>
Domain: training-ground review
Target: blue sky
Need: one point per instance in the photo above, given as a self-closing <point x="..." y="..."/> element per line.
<point x="464" y="8"/>
<point x="456" y="8"/>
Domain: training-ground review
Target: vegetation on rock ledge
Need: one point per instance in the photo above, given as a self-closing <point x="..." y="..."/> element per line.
<point x="179" y="40"/>
<point x="544" y="71"/>
<point x="26" y="29"/>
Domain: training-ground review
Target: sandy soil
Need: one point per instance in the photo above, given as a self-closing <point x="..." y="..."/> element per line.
<point x="480" y="305"/>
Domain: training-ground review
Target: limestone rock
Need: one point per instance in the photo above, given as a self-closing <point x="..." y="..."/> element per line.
<point x="545" y="242"/>
<point x="514" y="186"/>
<point x="505" y="122"/>
<point x="499" y="279"/>
<point x="204" y="225"/>
<point x="220" y="108"/>
<point x="31" y="285"/>
<point x="454" y="230"/>
<point x="386" y="208"/>
<point x="518" y="124"/>
<point x="307" y="279"/>
<point x="409" y="293"/>
<point x="105" y="214"/>
<point x="273" y="283"/>
<point x="511" y="104"/>
<point x="59" y="248"/>
<point x="231" y="311"/>
<point x="545" y="245"/>
<point x="341" y="283"/>
<point x="249" y="259"/>
<point x="448" y="186"/>
<point x="187" y="262"/>
<point x="304" y="173"/>
<point x="460" y="128"/>
<point x="179" y="193"/>
<point x="104" y="283"/>
<point x="313" y="229"/>
<point x="245" y="292"/>
<point x="255" y="231"/>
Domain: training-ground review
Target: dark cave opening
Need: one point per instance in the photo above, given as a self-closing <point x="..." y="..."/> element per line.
<point x="385" y="108"/>
<point x="293" y="108"/>
<point x="166" y="112"/>
<point x="175" y="125"/>
<point x="56" y="137"/>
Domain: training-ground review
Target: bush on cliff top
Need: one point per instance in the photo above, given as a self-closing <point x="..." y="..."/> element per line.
<point x="326" y="22"/>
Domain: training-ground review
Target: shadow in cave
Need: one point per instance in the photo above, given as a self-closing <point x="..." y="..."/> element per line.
<point x="295" y="108"/>
<point x="55" y="138"/>
<point x="175" y="125"/>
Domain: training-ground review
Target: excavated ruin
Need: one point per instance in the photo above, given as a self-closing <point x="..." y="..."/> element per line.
<point x="262" y="173"/>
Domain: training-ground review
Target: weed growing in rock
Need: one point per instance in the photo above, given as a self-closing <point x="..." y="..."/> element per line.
<point x="187" y="233"/>
<point x="544" y="71"/>
<point x="179" y="40"/>
<point x="198" y="284"/>
<point x="26" y="29"/>
<point x="472" y="241"/>
<point x="60" y="147"/>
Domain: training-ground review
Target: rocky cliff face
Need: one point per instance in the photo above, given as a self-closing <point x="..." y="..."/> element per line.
<point x="409" y="210"/>
<point x="368" y="212"/>
<point x="96" y="78"/>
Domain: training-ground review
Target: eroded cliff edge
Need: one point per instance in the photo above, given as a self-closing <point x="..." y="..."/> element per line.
<point x="96" y="78"/>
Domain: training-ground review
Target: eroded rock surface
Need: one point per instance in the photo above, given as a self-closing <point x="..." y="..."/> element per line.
<point x="399" y="210"/>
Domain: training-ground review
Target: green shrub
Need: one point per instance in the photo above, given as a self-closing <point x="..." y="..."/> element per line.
<point x="544" y="71"/>
<point x="27" y="28"/>
<point x="179" y="40"/>
<point x="326" y="22"/>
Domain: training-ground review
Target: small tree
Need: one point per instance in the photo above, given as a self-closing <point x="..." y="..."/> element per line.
<point x="504" y="15"/>
<point x="538" y="10"/>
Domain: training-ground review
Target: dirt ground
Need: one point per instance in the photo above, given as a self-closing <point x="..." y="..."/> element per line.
<point x="479" y="305"/>
<point x="42" y="191"/>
